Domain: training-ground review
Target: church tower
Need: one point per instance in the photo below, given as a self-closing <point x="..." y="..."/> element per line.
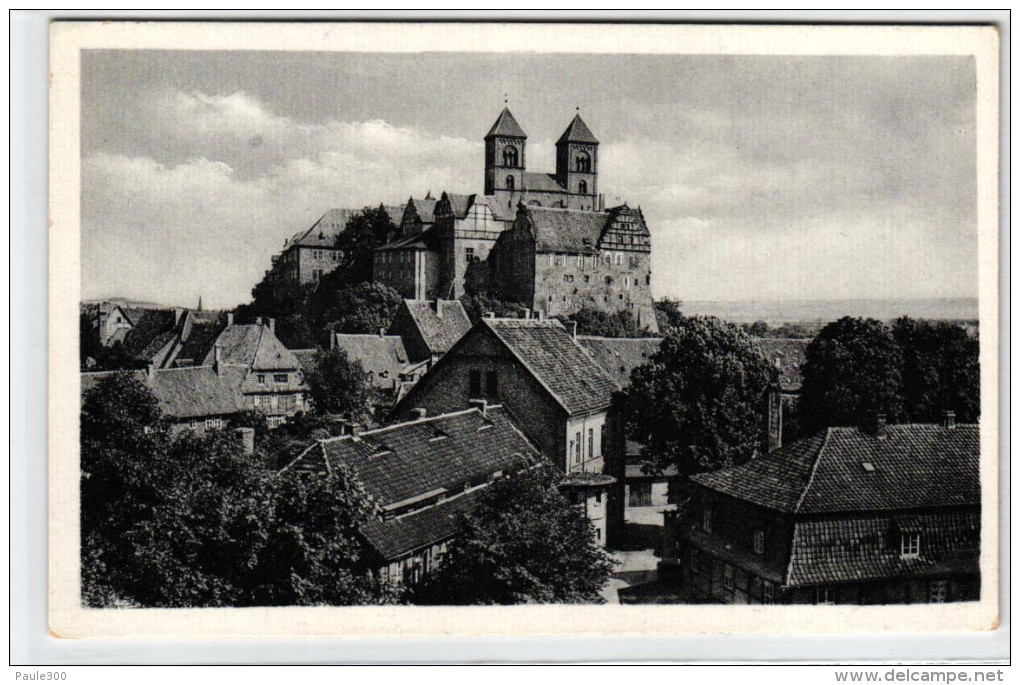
<point x="504" y="157"/>
<point x="577" y="159"/>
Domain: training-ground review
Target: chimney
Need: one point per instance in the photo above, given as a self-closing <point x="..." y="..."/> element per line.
<point x="539" y="314"/>
<point x="439" y="308"/>
<point x="382" y="332"/>
<point x="949" y="419"/>
<point x="526" y="314"/>
<point x="230" y="318"/>
<point x="216" y="358"/>
<point x="573" y="329"/>
<point x="247" y="438"/>
<point x="480" y="405"/>
<point x="272" y="326"/>
<point x="419" y="412"/>
<point x="878" y="425"/>
<point x="150" y="371"/>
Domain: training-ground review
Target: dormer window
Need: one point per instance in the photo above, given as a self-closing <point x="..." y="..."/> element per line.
<point x="910" y="545"/>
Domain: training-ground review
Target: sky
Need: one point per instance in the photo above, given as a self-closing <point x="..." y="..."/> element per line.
<point x="765" y="178"/>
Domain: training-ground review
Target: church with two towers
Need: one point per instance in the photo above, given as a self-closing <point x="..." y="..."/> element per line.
<point x="542" y="239"/>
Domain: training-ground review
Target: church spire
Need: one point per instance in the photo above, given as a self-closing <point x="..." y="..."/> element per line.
<point x="506" y="126"/>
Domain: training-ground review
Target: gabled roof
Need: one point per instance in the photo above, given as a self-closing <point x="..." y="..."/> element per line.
<point x="429" y="461"/>
<point x="566" y="230"/>
<point x="187" y="392"/>
<point x="506" y="126"/>
<point x="424" y="208"/>
<point x="574" y="379"/>
<point x="578" y="132"/>
<point x="152" y="330"/>
<point x="198" y="339"/>
<point x="381" y="355"/>
<point x="251" y="346"/>
<point x="323" y="232"/>
<point x="914" y="466"/>
<point x="620" y="356"/>
<point x="440" y="323"/>
<point x="787" y="354"/>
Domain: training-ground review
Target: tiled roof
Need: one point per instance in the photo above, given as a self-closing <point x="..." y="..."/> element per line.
<point x="506" y="126"/>
<point x="323" y="232"/>
<point x="578" y="132"/>
<point x="441" y="323"/>
<point x="381" y="355"/>
<point x="410" y="242"/>
<point x="306" y="358"/>
<point x="620" y="356"/>
<point x="394" y="538"/>
<point x="425" y="208"/>
<point x="566" y="230"/>
<point x="846" y="469"/>
<point x="499" y="210"/>
<point x="153" y="329"/>
<point x="187" y="392"/>
<point x="541" y="182"/>
<point x="201" y="336"/>
<point x="252" y="346"/>
<point x="459" y="204"/>
<point x="867" y="548"/>
<point x="787" y="354"/>
<point x="419" y="461"/>
<point x="572" y="376"/>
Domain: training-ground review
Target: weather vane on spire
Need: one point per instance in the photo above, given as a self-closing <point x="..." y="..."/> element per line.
<point x="506" y="99"/>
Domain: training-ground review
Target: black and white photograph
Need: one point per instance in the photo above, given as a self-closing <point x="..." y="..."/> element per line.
<point x="488" y="327"/>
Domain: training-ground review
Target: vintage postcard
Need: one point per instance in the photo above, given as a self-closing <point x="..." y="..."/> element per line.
<point x="461" y="329"/>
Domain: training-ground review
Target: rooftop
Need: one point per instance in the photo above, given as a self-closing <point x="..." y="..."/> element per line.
<point x="620" y="356"/>
<point x="847" y="469"/>
<point x="441" y="323"/>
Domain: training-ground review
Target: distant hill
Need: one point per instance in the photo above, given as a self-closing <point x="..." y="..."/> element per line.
<point x="824" y="311"/>
<point x="128" y="302"/>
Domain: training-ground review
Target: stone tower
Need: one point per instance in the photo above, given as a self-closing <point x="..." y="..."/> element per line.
<point x="577" y="159"/>
<point x="504" y="157"/>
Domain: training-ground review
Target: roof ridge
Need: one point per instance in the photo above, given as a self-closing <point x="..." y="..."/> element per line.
<point x="814" y="470"/>
<point x="393" y="426"/>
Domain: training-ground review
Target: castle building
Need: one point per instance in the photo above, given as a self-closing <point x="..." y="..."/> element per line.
<point x="559" y="261"/>
<point x="452" y="245"/>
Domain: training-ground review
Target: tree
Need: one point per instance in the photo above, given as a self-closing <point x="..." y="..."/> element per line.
<point x="338" y="385"/>
<point x="620" y="324"/>
<point x="940" y="370"/>
<point x="352" y="308"/>
<point x="368" y="229"/>
<point x="700" y="401"/>
<point x="478" y="304"/>
<point x="195" y="521"/>
<point x="668" y="313"/>
<point x="523" y="543"/>
<point x="851" y="371"/>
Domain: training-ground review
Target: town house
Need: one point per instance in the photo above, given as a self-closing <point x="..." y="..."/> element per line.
<point x="556" y="392"/>
<point x="882" y="515"/>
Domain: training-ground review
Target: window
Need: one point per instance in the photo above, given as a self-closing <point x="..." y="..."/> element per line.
<point x="212" y="423"/>
<point x="591" y="443"/>
<point x="551" y="260"/>
<point x="582" y="162"/>
<point x="825" y="595"/>
<point x="938" y="591"/>
<point x="193" y="424"/>
<point x="759" y="542"/>
<point x="598" y="498"/>
<point x="568" y="278"/>
<point x="602" y="438"/>
<point x="476" y="383"/>
<point x="910" y="545"/>
<point x="490" y="383"/>
<point x="609" y="280"/>
<point x="279" y="378"/>
<point x="706" y="520"/>
<point x="582" y="187"/>
<point x="768" y="592"/>
<point x="510" y="157"/>
<point x="509" y="182"/>
<point x="262" y="378"/>
<point x="469" y="254"/>
<point x="587" y="278"/>
<point x="727" y="577"/>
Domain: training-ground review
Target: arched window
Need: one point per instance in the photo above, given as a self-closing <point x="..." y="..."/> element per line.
<point x="582" y="162"/>
<point x="510" y="156"/>
<point x="509" y="182"/>
<point x="582" y="187"/>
